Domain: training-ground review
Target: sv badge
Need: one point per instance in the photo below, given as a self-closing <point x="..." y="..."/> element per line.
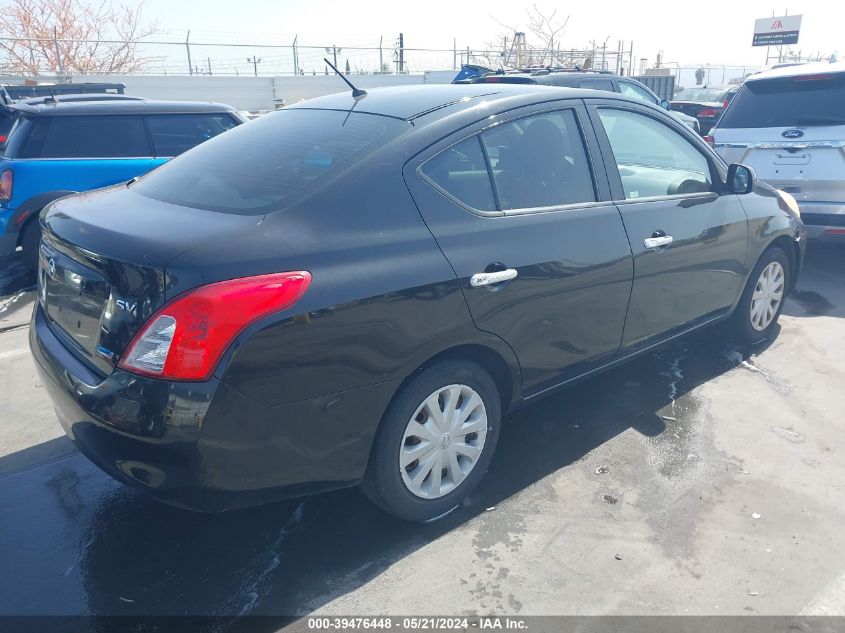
<point x="128" y="306"/>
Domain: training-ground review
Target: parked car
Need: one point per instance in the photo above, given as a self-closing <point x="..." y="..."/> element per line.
<point x="15" y="92"/>
<point x="789" y="125"/>
<point x="59" y="147"/>
<point x="363" y="306"/>
<point x="705" y="103"/>
<point x="584" y="79"/>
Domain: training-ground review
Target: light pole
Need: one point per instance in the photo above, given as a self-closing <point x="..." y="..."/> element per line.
<point x="254" y="61"/>
<point x="334" y="50"/>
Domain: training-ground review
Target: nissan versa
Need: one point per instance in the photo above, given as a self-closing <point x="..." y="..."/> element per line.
<point x="353" y="290"/>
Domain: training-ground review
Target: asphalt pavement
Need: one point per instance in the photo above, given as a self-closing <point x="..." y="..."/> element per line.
<point x="700" y="479"/>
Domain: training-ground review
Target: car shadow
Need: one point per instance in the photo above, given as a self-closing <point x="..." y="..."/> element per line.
<point x="14" y="276"/>
<point x="820" y="290"/>
<point x="138" y="557"/>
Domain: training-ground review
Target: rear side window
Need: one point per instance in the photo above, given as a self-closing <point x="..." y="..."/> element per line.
<point x="173" y="134"/>
<point x="87" y="137"/>
<point x="597" y="84"/>
<point x="539" y="161"/>
<point x="461" y="171"/>
<point x="788" y="102"/>
<point x="260" y="166"/>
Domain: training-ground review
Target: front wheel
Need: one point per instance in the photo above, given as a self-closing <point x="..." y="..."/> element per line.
<point x="762" y="300"/>
<point x="435" y="442"/>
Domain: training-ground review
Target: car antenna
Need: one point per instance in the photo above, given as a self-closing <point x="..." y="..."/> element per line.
<point x="356" y="92"/>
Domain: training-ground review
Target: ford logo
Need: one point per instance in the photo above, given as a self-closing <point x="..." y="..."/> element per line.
<point x="51" y="265"/>
<point x="793" y="134"/>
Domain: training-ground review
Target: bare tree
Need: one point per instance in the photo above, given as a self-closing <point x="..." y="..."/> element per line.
<point x="71" y="37"/>
<point x="548" y="30"/>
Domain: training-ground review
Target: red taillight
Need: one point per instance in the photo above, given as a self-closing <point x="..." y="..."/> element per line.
<point x="185" y="339"/>
<point x="7" y="181"/>
<point x="725" y="103"/>
<point x="2" y="138"/>
<point x="709" y="140"/>
<point x="835" y="231"/>
<point x="708" y="112"/>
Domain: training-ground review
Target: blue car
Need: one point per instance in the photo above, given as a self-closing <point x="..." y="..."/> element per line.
<point x="57" y="148"/>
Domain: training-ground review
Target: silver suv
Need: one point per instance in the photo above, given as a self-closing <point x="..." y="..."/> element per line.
<point x="789" y="125"/>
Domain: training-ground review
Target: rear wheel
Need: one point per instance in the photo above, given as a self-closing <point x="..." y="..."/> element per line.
<point x="762" y="300"/>
<point x="435" y="442"/>
<point x="30" y="239"/>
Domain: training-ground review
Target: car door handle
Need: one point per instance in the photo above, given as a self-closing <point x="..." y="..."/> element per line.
<point x="487" y="279"/>
<point x="657" y="242"/>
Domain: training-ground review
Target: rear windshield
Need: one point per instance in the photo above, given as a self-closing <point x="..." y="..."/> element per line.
<point x="792" y="101"/>
<point x="703" y="95"/>
<point x="260" y="166"/>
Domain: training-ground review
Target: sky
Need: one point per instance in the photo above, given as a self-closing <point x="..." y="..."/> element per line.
<point x="688" y="33"/>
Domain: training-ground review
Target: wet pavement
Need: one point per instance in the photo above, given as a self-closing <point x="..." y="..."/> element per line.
<point x="596" y="502"/>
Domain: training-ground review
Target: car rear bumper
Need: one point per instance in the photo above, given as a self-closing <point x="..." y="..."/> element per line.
<point x="203" y="445"/>
<point x="824" y="220"/>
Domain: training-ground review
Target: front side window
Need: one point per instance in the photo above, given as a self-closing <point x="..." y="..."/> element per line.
<point x="87" y="137"/>
<point x="173" y="134"/>
<point x="261" y="166"/>
<point x="633" y="90"/>
<point x="652" y="158"/>
<point x="539" y="161"/>
<point x="461" y="171"/>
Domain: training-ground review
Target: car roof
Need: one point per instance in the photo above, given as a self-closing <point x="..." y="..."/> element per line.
<point x="814" y="68"/>
<point x="412" y="102"/>
<point x="118" y="106"/>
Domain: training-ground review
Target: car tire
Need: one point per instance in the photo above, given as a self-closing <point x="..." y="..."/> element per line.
<point x="756" y="315"/>
<point x="413" y="439"/>
<point x="30" y="239"/>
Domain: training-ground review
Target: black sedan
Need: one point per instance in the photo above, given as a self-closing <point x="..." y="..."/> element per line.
<point x="354" y="290"/>
<point x="704" y="103"/>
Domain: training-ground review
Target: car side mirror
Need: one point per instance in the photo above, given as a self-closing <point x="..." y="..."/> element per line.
<point x="664" y="103"/>
<point x="740" y="178"/>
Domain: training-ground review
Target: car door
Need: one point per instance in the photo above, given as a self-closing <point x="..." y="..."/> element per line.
<point x="687" y="234"/>
<point x="524" y="217"/>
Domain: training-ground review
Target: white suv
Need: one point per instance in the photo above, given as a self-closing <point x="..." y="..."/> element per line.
<point x="789" y="125"/>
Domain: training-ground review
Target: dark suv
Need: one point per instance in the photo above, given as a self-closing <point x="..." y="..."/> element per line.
<point x="354" y="290"/>
<point x="60" y="147"/>
<point x="583" y="79"/>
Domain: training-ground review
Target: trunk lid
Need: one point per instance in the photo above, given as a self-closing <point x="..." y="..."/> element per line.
<point x="102" y="265"/>
<point x="809" y="166"/>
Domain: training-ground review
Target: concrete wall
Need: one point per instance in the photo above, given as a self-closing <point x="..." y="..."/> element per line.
<point x="251" y="93"/>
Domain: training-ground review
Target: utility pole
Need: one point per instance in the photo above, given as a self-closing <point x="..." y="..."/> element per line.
<point x="295" y="57"/>
<point x="254" y="61"/>
<point x="380" y="55"/>
<point x="454" y="53"/>
<point x="209" y="67"/>
<point x="188" y="47"/>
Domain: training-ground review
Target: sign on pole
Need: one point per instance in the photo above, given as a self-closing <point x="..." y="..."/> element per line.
<point x="777" y="31"/>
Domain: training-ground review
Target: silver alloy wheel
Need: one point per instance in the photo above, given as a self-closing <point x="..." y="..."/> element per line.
<point x="443" y="441"/>
<point x="768" y="295"/>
